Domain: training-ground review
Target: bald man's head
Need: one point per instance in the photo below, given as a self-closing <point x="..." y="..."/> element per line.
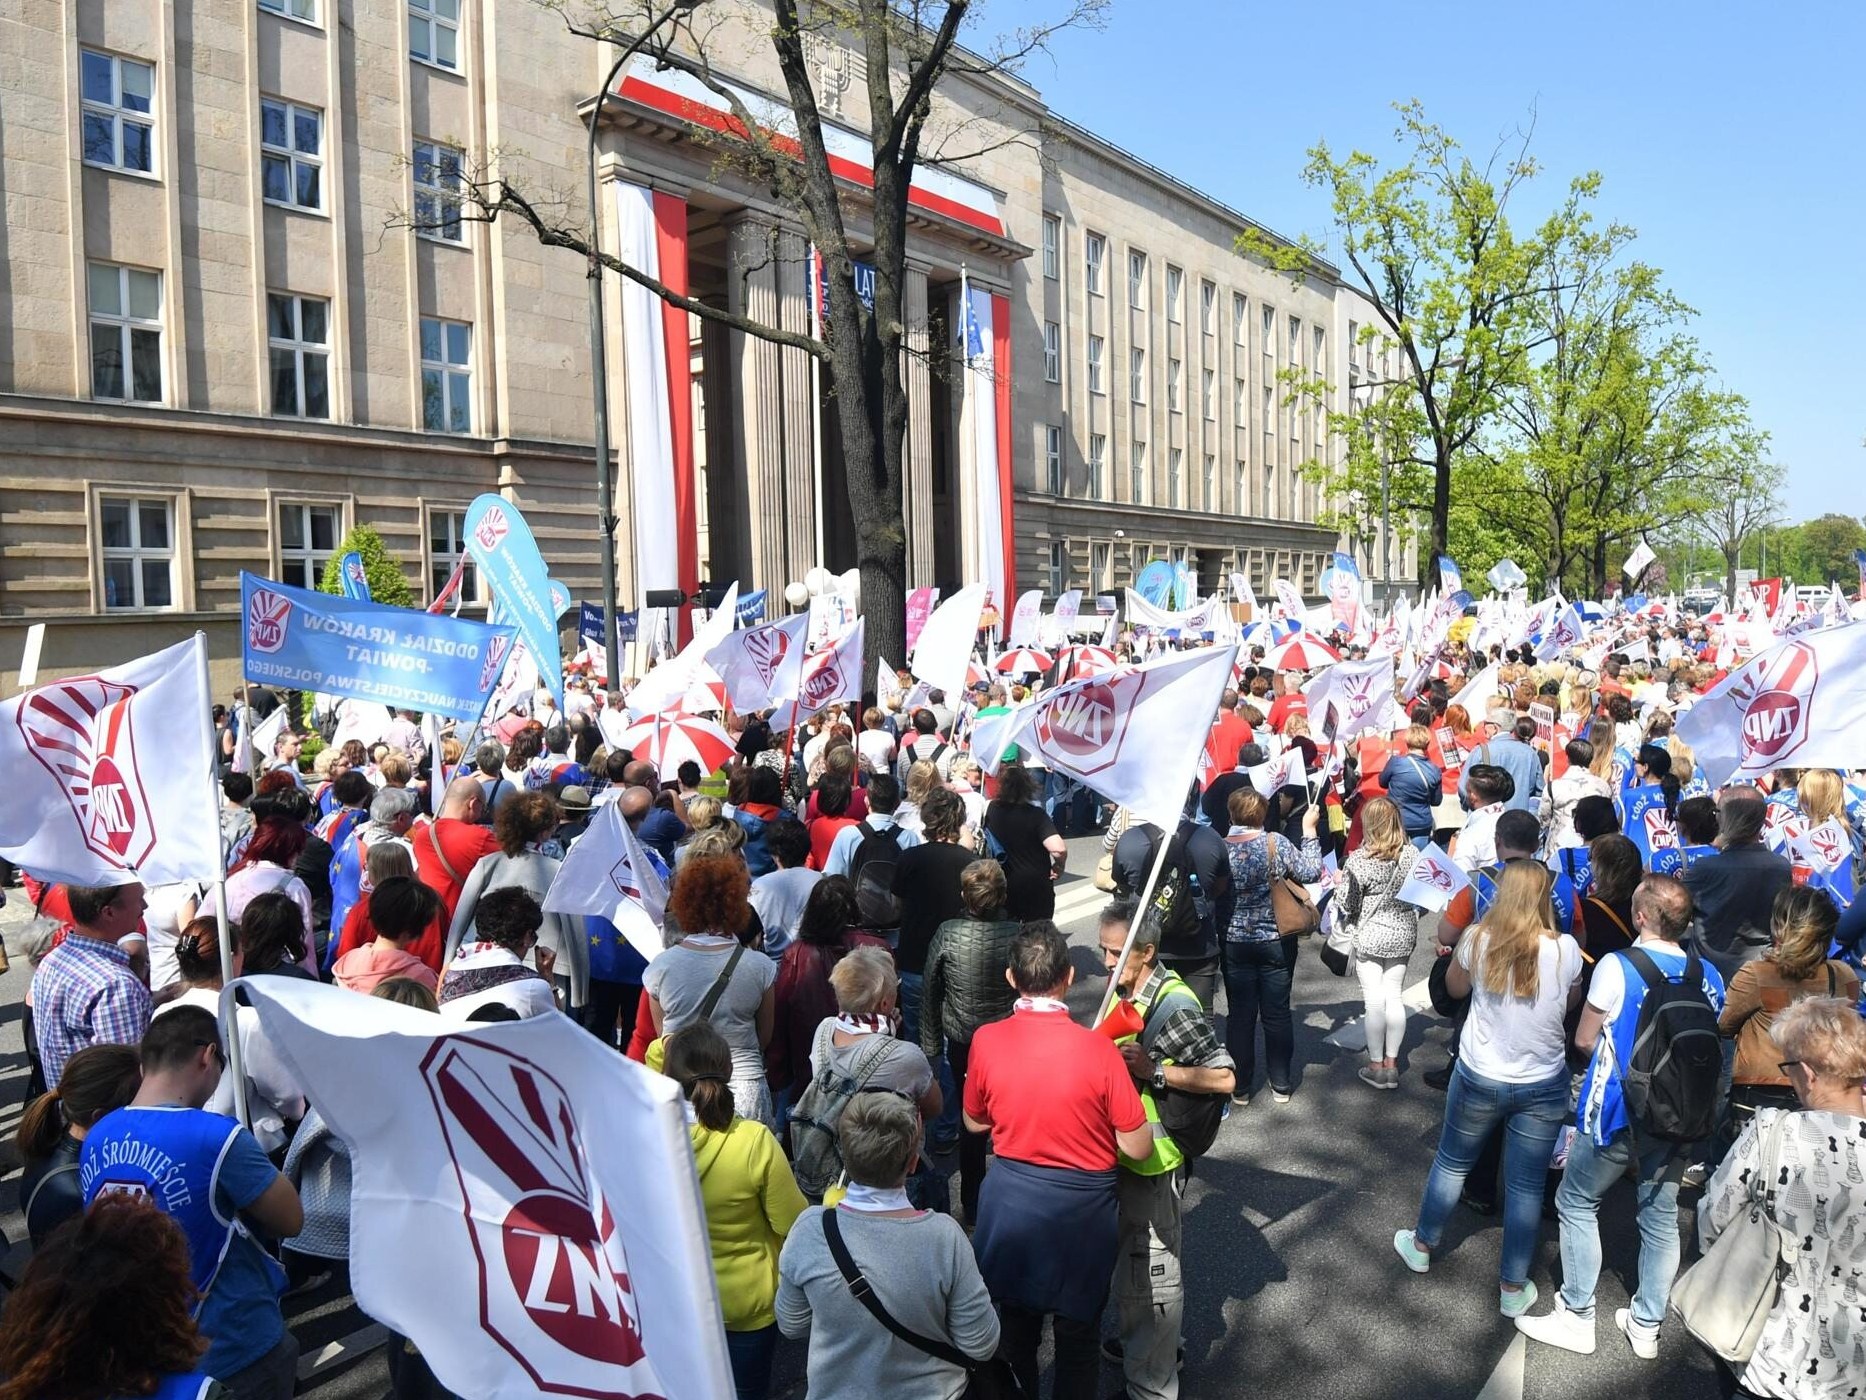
<point x="635" y="802"/>
<point x="464" y="800"/>
<point x="641" y="773"/>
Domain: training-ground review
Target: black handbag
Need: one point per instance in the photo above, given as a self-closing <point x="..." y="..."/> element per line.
<point x="990" y="1379"/>
<point x="1443" y="1002"/>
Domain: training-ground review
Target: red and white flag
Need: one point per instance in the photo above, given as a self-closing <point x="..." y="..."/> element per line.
<point x="1351" y="696"/>
<point x="1122" y="733"/>
<point x="109" y="777"/>
<point x="761" y="665"/>
<point x="550" y="1184"/>
<point x="1800" y="704"/>
<point x="1285" y="770"/>
<point x="667" y="684"/>
<point x="830" y="676"/>
<point x="1436" y="879"/>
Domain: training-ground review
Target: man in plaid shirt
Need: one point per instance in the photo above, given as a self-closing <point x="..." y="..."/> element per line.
<point x="84" y="993"/>
<point x="1174" y="1049"/>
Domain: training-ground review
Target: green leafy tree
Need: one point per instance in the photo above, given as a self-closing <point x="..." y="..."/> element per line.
<point x="1429" y="242"/>
<point x="388" y="583"/>
<point x="1741" y="497"/>
<point x="1824" y="549"/>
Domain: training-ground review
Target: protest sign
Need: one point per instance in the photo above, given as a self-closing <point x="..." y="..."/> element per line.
<point x="501" y="544"/>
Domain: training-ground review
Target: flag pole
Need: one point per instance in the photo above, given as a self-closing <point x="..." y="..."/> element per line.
<point x="230" y="1030"/>
<point x="1133" y="928"/>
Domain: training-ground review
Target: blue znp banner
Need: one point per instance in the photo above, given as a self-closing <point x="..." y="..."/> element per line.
<point x="355" y="581"/>
<point x="501" y="544"/>
<point x="590" y="624"/>
<point x="410" y="660"/>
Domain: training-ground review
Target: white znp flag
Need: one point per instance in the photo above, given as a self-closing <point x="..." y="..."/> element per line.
<point x="109" y="777"/>
<point x="1435" y="881"/>
<point x="1800" y="704"/>
<point x="1637" y="561"/>
<point x="523" y="1203"/>
<point x="761" y="665"/>
<point x="1130" y="735"/>
<point x="1351" y="696"/>
<point x="606" y="873"/>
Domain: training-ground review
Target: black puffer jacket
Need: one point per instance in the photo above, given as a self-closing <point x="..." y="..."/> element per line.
<point x="965" y="986"/>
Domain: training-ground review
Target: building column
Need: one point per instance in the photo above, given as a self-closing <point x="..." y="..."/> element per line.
<point x="756" y="375"/>
<point x="804" y="467"/>
<point x="917" y="463"/>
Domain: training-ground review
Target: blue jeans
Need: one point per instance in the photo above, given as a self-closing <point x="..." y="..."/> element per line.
<point x="751" y="1354"/>
<point x="1590" y="1176"/>
<point x="1531" y="1115"/>
<point x="1257" y="981"/>
<point x="943" y="1131"/>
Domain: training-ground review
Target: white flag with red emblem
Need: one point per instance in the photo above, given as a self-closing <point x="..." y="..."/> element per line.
<point x="830" y="676"/>
<point x="1122" y="733"/>
<point x="110" y="776"/>
<point x="667" y="684"/>
<point x="1351" y="696"/>
<point x="606" y="873"/>
<point x="550" y="1183"/>
<point x="761" y="665"/>
<point x="1435" y="881"/>
<point x="1800" y="704"/>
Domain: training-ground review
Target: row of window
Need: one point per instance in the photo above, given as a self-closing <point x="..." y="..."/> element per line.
<point x="118" y="120"/>
<point x="1261" y="566"/>
<point x="127" y="363"/>
<point x="141" y="563"/>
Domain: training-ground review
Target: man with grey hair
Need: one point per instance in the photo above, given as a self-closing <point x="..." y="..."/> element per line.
<point x="391" y="814"/>
<point x="1504" y="750"/>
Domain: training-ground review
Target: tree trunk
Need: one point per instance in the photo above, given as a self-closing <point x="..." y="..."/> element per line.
<point x="1441" y="517"/>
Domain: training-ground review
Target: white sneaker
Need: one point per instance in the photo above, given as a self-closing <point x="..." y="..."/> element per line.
<point x="1560" y="1328"/>
<point x="1645" y="1339"/>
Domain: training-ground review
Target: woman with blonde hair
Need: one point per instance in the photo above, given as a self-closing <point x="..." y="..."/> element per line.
<point x="922" y="778"/>
<point x="1385" y="933"/>
<point x="1802" y="920"/>
<point x="1523" y="976"/>
<point x="1823" y="797"/>
<point x="1601" y="735"/>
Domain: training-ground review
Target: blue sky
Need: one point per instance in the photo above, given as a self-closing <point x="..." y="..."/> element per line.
<point x="1724" y="133"/>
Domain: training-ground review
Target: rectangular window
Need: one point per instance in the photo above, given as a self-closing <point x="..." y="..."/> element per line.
<point x="1240" y="402"/>
<point x="1295" y="342"/>
<point x="1208" y="394"/>
<point x="291" y="145"/>
<point x="298" y="333"/>
<point x="1268" y="339"/>
<point x="1269" y="420"/>
<point x="1053" y="458"/>
<point x="305" y="10"/>
<point x="308" y="537"/>
<point x="117" y="111"/>
<point x="1175" y="285"/>
<point x="1052" y="352"/>
<point x="446" y="549"/>
<point x="1208" y="309"/>
<point x="126" y="333"/>
<point x="1209" y="501"/>
<point x="1175" y="462"/>
<point x="446" y="376"/>
<point x="1052" y="246"/>
<point x="138" y="537"/>
<point x="1137" y="474"/>
<point x="1137" y="280"/>
<point x="1098" y="451"/>
<point x="1174" y="370"/>
<point x="1101" y="561"/>
<point x="1240" y="487"/>
<point x="1094" y="364"/>
<point x="434" y="32"/>
<point x="1092" y="249"/>
<point x="1240" y="324"/>
<point x="437" y="192"/>
<point x="1137" y="376"/>
<point x="1354" y="350"/>
<point x="1059" y="568"/>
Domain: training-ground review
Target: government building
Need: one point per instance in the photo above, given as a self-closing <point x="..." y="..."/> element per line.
<point x="222" y="343"/>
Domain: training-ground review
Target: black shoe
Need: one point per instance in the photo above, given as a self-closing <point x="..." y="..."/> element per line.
<point x="1440" y="1079"/>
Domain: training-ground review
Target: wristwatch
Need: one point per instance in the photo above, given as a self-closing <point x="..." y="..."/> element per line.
<point x="1159" y="1076"/>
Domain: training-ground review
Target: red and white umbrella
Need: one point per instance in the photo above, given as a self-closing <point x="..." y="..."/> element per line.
<point x="1088" y="661"/>
<point x="1300" y="653"/>
<point x="1020" y="661"/>
<point x="669" y="740"/>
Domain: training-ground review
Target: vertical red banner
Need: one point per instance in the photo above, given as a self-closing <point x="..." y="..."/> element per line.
<point x="670" y="226"/>
<point x="1001" y="376"/>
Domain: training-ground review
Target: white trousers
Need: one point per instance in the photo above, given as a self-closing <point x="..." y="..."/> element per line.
<point x="1383" y="989"/>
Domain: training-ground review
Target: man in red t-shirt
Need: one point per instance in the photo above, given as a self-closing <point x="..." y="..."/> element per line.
<point x="1230" y="732"/>
<point x="1291" y="702"/>
<point x="1060" y="1105"/>
<point x="447" y="848"/>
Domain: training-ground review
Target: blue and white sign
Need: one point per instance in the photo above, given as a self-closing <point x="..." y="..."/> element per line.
<point x="590" y="624"/>
<point x="864" y="276"/>
<point x="303" y="640"/>
<point x="751" y="609"/>
<point x="353" y="577"/>
<point x="501" y="544"/>
<point x="560" y="597"/>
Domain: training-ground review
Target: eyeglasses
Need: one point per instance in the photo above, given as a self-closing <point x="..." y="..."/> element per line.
<point x="1786" y="1065"/>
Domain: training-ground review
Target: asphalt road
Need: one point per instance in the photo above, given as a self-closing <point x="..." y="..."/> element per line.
<point x="1292" y="1285"/>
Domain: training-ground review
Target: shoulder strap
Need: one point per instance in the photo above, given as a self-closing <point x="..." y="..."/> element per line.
<point x="1608" y="910"/>
<point x="718" y="989"/>
<point x="1483" y="751"/>
<point x="1649" y="971"/>
<point x="866" y="830"/>
<point x="434" y="844"/>
<point x="40" y="1185"/>
<point x="864" y="1293"/>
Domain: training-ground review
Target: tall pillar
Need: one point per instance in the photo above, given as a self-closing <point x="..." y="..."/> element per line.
<point x="964" y="461"/>
<point x="803" y="484"/>
<point x="917" y="465"/>
<point x="756" y="381"/>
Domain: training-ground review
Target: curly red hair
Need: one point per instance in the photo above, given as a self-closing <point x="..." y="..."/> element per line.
<point x="709" y="895"/>
<point x="102" y="1309"/>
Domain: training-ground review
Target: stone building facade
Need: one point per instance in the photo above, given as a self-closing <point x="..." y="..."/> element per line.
<point x="220" y="345"/>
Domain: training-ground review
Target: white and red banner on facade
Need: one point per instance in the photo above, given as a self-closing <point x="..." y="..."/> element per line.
<point x="549" y="1182"/>
<point x="1800" y="704"/>
<point x="1127" y="734"/>
<point x="656" y="356"/>
<point x="109" y="777"/>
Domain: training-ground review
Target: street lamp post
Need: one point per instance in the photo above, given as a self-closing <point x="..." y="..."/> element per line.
<point x="599" y="359"/>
